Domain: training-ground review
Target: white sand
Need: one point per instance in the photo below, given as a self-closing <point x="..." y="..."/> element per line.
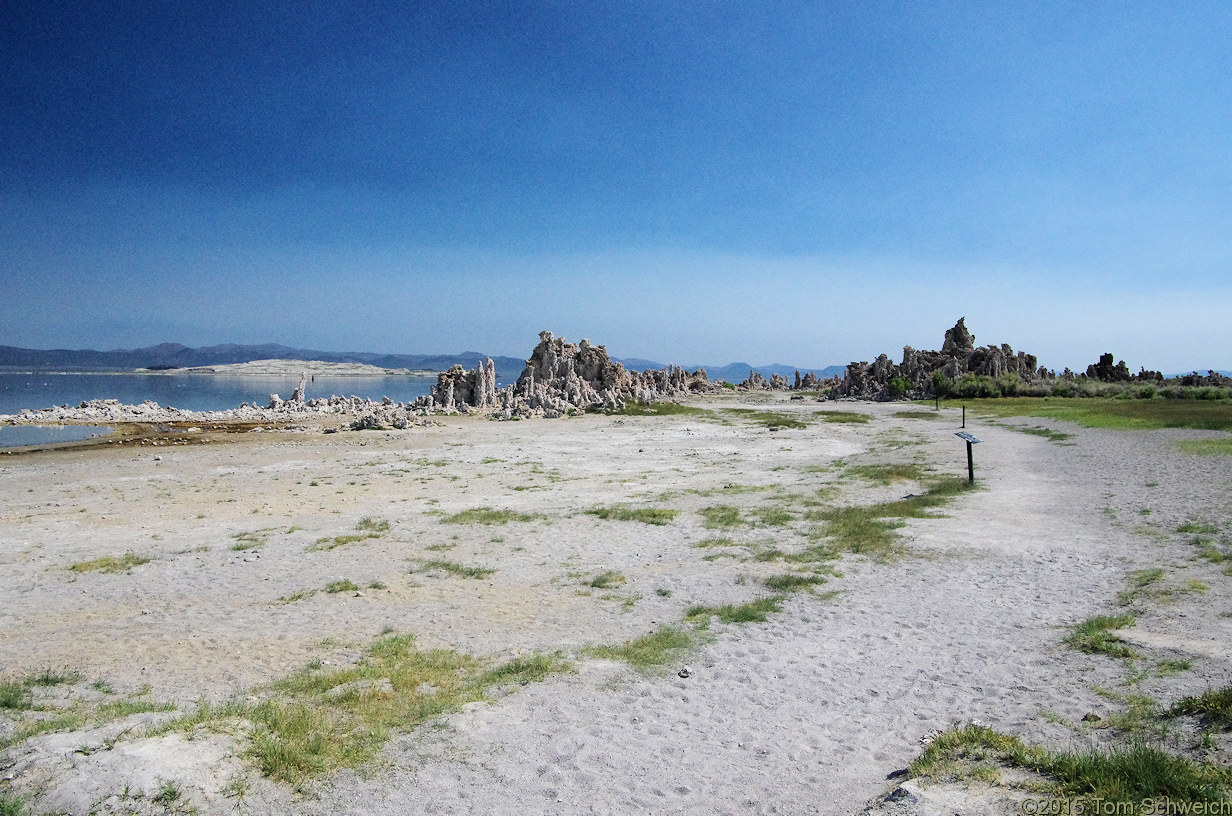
<point x="806" y="713"/>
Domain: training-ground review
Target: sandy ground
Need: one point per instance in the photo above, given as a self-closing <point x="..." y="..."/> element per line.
<point x="806" y="713"/>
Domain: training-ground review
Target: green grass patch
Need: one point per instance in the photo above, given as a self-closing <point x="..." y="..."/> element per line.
<point x="250" y="540"/>
<point x="646" y="515"/>
<point x="11" y="805"/>
<point x="1118" y="414"/>
<point x="887" y="474"/>
<point x="320" y="720"/>
<point x="771" y="420"/>
<point x="1139" y="582"/>
<point x="1039" y="430"/>
<point x="486" y="515"/>
<point x="111" y="564"/>
<point x="1214" y="706"/>
<point x="367" y="524"/>
<point x="1197" y="527"/>
<point x="344" y="585"/>
<point x="844" y="417"/>
<point x="793" y="582"/>
<point x="918" y="415"/>
<point x="662" y="647"/>
<point x="1129" y="776"/>
<point x="606" y="580"/>
<point x="721" y="516"/>
<point x="774" y="516"/>
<point x="715" y="542"/>
<point x="1206" y="447"/>
<point x="870" y="529"/>
<point x="329" y="543"/>
<point x="1095" y="636"/>
<point x="454" y="568"/>
<point x="758" y="611"/>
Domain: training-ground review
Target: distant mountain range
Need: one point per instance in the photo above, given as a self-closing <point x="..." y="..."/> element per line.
<point x="174" y="355"/>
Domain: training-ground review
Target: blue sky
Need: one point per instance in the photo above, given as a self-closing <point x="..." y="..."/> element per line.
<point x="702" y="182"/>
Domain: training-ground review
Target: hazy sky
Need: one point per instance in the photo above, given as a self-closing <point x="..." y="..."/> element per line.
<point x="700" y="182"/>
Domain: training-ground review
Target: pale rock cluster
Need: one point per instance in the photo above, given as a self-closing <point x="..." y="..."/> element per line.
<point x="559" y="378"/>
<point x="959" y="356"/>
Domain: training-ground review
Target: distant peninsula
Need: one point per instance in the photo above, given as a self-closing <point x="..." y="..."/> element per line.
<point x="293" y="368"/>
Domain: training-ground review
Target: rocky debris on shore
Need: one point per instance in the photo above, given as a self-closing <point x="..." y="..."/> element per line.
<point x="364" y="414"/>
<point x="914" y="377"/>
<point x="560" y="378"/>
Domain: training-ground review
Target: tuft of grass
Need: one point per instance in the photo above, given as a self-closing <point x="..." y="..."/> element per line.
<point x="1214" y="706"/>
<point x="793" y="582"/>
<point x="486" y="515"/>
<point x="1132" y="776"/>
<point x="1095" y="636"/>
<point x="328" y="543"/>
<point x="1139" y="581"/>
<point x="721" y="516"/>
<point x="771" y="420"/>
<point x="14" y="695"/>
<point x="344" y="585"/>
<point x="524" y="670"/>
<point x="319" y="720"/>
<point x="249" y="541"/>
<point x="844" y="417"/>
<point x="367" y="527"/>
<point x="1039" y="430"/>
<point x="605" y="580"/>
<point x="918" y="415"/>
<point x="647" y="515"/>
<point x="111" y="564"/>
<point x="665" y="645"/>
<point x="167" y="794"/>
<point x="887" y="474"/>
<point x="715" y="542"/>
<point x="1197" y="527"/>
<point x="757" y="611"/>
<point x="774" y="516"/>
<point x="454" y="568"/>
<point x="870" y="528"/>
<point x="12" y="805"/>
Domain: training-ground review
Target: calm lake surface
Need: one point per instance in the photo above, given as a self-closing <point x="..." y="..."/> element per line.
<point x="194" y="392"/>
<point x="12" y="436"/>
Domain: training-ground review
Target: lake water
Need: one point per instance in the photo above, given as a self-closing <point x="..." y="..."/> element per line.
<point x="194" y="392"/>
<point x="12" y="436"/>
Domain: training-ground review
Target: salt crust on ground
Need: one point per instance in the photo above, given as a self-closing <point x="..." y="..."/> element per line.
<point x="807" y="713"/>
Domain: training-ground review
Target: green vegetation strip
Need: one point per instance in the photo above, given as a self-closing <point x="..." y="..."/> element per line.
<point x="1206" y="447"/>
<point x="1130" y="776"/>
<point x="758" y="611"/>
<point x="661" y="647"/>
<point x="1095" y="636"/>
<point x="646" y="515"/>
<point x="320" y="720"/>
<point x="771" y="420"/>
<point x="1214" y="706"/>
<point x="110" y="564"/>
<point x="454" y="568"/>
<point x="870" y="528"/>
<point x="485" y="515"/>
<point x="1117" y="414"/>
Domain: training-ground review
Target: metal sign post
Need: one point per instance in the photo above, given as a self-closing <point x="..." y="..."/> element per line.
<point x="970" y="440"/>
